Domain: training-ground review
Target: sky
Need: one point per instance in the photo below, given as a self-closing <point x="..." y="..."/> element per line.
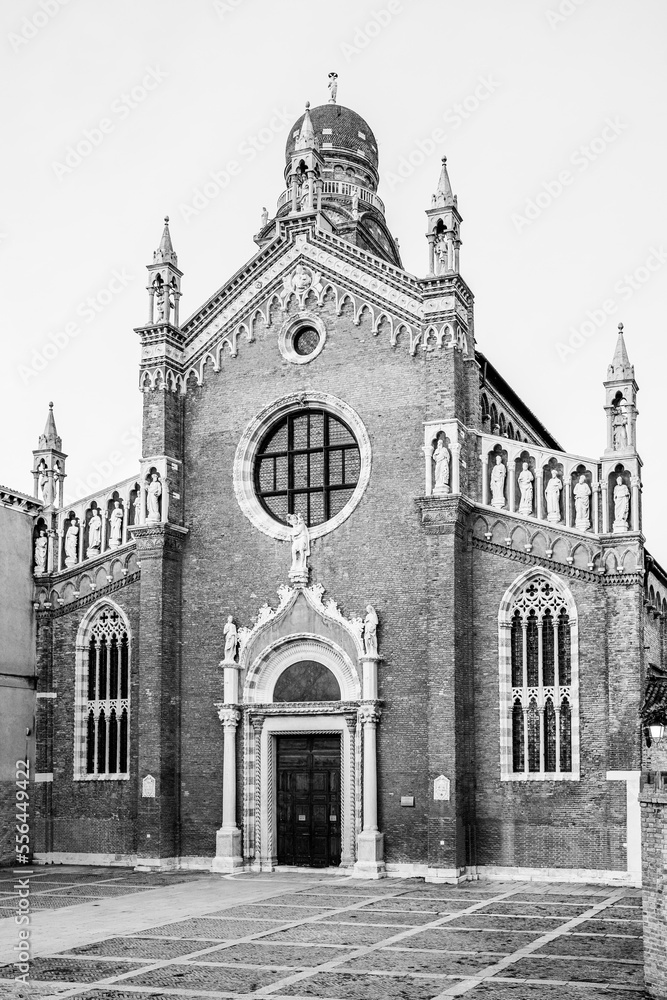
<point x="551" y="115"/>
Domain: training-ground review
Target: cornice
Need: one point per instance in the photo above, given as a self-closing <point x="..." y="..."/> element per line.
<point x="83" y="602"/>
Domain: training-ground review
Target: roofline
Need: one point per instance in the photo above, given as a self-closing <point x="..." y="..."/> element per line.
<point x="491" y="374"/>
<point x="653" y="566"/>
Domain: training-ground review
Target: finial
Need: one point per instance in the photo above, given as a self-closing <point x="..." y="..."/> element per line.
<point x="620" y="328"/>
<point x="50" y="406"/>
<point x="166" y="220"/>
<point x="307" y="105"/>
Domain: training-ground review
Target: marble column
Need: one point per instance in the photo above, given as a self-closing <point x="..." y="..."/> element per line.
<point x="485" y="478"/>
<point x="428" y="470"/>
<point x="228" y="855"/>
<point x="605" y="507"/>
<point x="431" y="253"/>
<point x="635" y="485"/>
<point x="370" y="843"/>
<point x="539" y="494"/>
<point x="455" y="478"/>
<point x="596" y="508"/>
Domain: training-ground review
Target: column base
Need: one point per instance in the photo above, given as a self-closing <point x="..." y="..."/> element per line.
<point x="370" y="855"/>
<point x="228" y="856"/>
<point x="441" y="490"/>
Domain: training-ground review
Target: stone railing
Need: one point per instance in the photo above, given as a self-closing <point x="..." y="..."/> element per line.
<point x="344" y="188"/>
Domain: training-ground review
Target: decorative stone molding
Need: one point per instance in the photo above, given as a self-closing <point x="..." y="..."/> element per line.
<point x="156" y="537"/>
<point x="369" y="715"/>
<point x="228" y="715"/>
<point x="243" y="478"/>
<point x="288" y="332"/>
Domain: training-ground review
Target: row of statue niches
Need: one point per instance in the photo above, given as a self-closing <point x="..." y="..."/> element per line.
<point x="86" y="537"/>
<point x="554" y="486"/>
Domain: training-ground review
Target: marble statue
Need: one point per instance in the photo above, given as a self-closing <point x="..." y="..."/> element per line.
<point x="333" y="87"/>
<point x="582" y="504"/>
<point x="95" y="532"/>
<point x="621" y="505"/>
<point x="355" y="202"/>
<point x="441" y="457"/>
<point x="44" y="483"/>
<point x="301" y="280"/>
<point x="231" y="635"/>
<point x="72" y="543"/>
<point x="116" y="525"/>
<point x="265" y="217"/>
<point x="160" y="304"/>
<point x="552" y="494"/>
<point x="41" y="546"/>
<point x="300" y="546"/>
<point x="371" y="631"/>
<point x="153" y="494"/>
<point x="498" y="473"/>
<point x="526" y="488"/>
<point x="620" y="430"/>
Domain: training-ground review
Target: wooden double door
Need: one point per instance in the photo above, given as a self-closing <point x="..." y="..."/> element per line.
<point x="308" y="779"/>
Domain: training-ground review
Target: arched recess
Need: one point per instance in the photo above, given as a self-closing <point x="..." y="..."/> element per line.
<point x="82" y="658"/>
<point x="275" y="658"/>
<point x="550" y="595"/>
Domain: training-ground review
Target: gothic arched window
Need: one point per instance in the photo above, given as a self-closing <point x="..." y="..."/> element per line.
<point x="103" y="696"/>
<point x="538" y="681"/>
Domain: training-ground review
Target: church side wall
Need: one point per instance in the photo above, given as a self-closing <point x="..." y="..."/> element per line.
<point x="81" y="817"/>
<point x="557" y="824"/>
<point x="375" y="556"/>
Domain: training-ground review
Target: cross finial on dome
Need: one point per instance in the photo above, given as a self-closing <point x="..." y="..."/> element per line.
<point x="333" y="87"/>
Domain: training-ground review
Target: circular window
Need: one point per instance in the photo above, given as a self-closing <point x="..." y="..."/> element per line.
<point x="305" y="454"/>
<point x="302" y="338"/>
<point x="307" y="463"/>
<point x="306" y="341"/>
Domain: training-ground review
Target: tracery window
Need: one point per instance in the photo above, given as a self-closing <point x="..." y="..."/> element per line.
<point x="308" y="463"/>
<point x="104" y="697"/>
<point x="538" y="683"/>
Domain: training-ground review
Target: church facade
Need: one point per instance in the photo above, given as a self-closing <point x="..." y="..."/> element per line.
<point x="358" y="607"/>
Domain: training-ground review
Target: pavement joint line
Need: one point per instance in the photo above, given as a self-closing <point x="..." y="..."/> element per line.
<point x="366" y="949"/>
<point x="247" y="939"/>
<point x="530" y="949"/>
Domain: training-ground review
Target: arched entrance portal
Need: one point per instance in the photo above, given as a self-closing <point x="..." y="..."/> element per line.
<point x="301" y="784"/>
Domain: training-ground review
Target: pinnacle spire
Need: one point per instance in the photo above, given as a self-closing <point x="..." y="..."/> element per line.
<point x="165" y="253"/>
<point x="443" y="196"/>
<point x="620" y="366"/>
<point x="49" y="439"/>
<point x="306" y="138"/>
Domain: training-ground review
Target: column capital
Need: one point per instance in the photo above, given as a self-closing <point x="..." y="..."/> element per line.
<point x="369" y="715"/>
<point x="257" y="722"/>
<point x="229" y="715"/>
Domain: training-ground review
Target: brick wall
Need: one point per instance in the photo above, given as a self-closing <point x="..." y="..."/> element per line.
<point x="653" y="800"/>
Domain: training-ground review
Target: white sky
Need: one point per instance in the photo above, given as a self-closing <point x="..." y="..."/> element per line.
<point x="221" y="71"/>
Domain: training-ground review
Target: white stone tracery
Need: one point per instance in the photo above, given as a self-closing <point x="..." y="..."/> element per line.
<point x="538" y="600"/>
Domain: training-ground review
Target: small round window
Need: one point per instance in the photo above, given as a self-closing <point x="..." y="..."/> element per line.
<point x="306" y="341"/>
<point x="307" y="463"/>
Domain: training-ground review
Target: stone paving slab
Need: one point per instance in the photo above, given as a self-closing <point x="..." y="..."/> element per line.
<point x="213" y="936"/>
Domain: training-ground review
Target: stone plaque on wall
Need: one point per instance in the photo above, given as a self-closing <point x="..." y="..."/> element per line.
<point x="441" y="789"/>
<point x="148" y="787"/>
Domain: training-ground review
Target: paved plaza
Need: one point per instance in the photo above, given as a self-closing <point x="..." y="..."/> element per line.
<point x="119" y="934"/>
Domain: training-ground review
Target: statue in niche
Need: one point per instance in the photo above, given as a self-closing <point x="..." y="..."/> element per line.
<point x="300" y="548"/>
<point x="72" y="543"/>
<point x="153" y="494"/>
<point x="582" y="504"/>
<point x="371" y="631"/>
<point x="333" y="87"/>
<point x="160" y="304"/>
<point x="355" y="202"/>
<point x="116" y="525"/>
<point x="231" y="635"/>
<point x="552" y="494"/>
<point x="441" y="456"/>
<point x="619" y="429"/>
<point x="94" y="532"/>
<point x="41" y="547"/>
<point x="442" y="253"/>
<point x="526" y="488"/>
<point x="621" y="505"/>
<point x="498" y="473"/>
<point x="264" y="221"/>
<point x="44" y="483"/>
